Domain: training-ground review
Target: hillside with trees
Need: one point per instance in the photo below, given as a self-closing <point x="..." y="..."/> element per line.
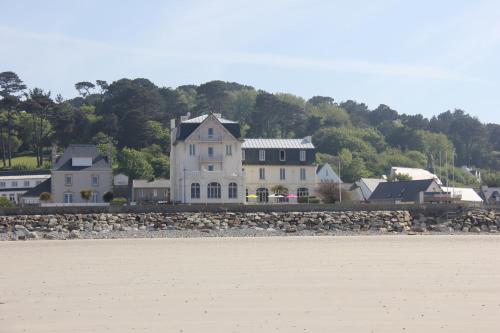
<point x="133" y="115"/>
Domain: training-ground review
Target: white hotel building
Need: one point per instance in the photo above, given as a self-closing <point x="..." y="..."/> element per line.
<point x="211" y="163"/>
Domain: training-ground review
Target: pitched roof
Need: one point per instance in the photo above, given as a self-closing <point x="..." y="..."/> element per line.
<point x="99" y="162"/>
<point x="277" y="143"/>
<point x="415" y="173"/>
<point x="466" y="194"/>
<point x="404" y="191"/>
<point x="188" y="126"/>
<point x="157" y="183"/>
<point x="24" y="172"/>
<point x="368" y="185"/>
<point x="35" y="192"/>
<point x="489" y="192"/>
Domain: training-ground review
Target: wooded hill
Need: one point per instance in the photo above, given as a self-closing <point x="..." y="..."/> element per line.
<point x="133" y="115"/>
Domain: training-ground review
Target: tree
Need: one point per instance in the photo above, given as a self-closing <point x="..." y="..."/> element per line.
<point x="103" y="85"/>
<point x="329" y="192"/>
<point x="399" y="177"/>
<point x="5" y="203"/>
<point x="107" y="197"/>
<point x="10" y="85"/>
<point x="84" y="87"/>
<point x="134" y="164"/>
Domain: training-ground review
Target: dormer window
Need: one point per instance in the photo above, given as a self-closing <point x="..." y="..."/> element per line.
<point x="282" y="155"/>
<point x="262" y="155"/>
<point x="210" y="132"/>
<point x="302" y="155"/>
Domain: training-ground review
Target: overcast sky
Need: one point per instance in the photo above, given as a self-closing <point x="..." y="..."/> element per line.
<point x="415" y="56"/>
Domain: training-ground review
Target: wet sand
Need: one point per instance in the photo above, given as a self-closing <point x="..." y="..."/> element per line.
<point x="276" y="284"/>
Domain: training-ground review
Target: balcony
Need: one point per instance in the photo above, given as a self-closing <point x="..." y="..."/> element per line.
<point x="211" y="138"/>
<point x="211" y="158"/>
<point x="218" y="174"/>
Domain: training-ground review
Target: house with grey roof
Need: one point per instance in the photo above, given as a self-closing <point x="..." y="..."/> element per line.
<point x="81" y="167"/>
<point x="152" y="191"/>
<point x="413" y="191"/>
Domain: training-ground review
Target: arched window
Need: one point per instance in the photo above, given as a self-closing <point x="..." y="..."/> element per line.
<point x="233" y="190"/>
<point x="262" y="194"/>
<point x="195" y="191"/>
<point x="213" y="191"/>
<point x="302" y="192"/>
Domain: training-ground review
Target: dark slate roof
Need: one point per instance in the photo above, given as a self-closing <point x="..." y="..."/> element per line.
<point x="404" y="191"/>
<point x="99" y="162"/>
<point x="187" y="127"/>
<point x="44" y="186"/>
<point x="24" y="172"/>
<point x="319" y="167"/>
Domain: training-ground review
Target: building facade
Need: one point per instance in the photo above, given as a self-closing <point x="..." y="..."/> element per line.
<point x="153" y="191"/>
<point x="279" y="167"/>
<point x="81" y="167"/>
<point x="205" y="160"/>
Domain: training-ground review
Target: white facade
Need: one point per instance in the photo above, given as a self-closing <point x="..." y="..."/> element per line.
<point x="326" y="174"/>
<point x="205" y="166"/>
<point x="14" y="186"/>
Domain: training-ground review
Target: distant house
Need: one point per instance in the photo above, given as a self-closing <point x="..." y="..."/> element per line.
<point x="14" y="184"/>
<point x="362" y="189"/>
<point x="462" y="194"/>
<point x="326" y="174"/>
<point x="151" y="191"/>
<point x="491" y="195"/>
<point x="32" y="196"/>
<point x="81" y="167"/>
<point x="414" y="173"/>
<point x="120" y="185"/>
<point x="414" y="191"/>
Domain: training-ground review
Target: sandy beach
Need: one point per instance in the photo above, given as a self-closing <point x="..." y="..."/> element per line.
<point x="277" y="284"/>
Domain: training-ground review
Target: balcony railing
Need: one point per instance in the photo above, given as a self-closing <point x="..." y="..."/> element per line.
<point x="205" y="174"/>
<point x="210" y="158"/>
<point x="211" y="138"/>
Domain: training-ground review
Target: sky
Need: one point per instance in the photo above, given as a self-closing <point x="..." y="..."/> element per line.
<point x="415" y="56"/>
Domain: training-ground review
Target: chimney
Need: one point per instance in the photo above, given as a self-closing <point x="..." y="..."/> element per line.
<point x="307" y="139"/>
<point x="54" y="154"/>
<point x="172" y="123"/>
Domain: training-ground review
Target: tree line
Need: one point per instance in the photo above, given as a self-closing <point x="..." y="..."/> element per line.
<point x="133" y="115"/>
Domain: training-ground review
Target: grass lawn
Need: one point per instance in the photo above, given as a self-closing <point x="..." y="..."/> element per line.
<point x="28" y="161"/>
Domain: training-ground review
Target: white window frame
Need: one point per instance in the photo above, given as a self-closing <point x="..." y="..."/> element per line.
<point x="195" y="190"/>
<point x="302" y="173"/>
<point x="232" y="191"/>
<point x="95" y="197"/>
<point x="303" y="155"/>
<point x="155" y="192"/>
<point x="92" y="180"/>
<point x="210" y="132"/>
<point x="14" y="184"/>
<point x="282" y="159"/>
<point x="229" y="150"/>
<point x="243" y="154"/>
<point x="68" y="197"/>
<point x="262" y="155"/>
<point x="210" y="151"/>
<point x="282" y="173"/>
<point x="211" y="167"/>
<point x="26" y="183"/>
<point x="66" y="177"/>
<point x="192" y="149"/>
<point x="262" y="173"/>
<point x="2" y="185"/>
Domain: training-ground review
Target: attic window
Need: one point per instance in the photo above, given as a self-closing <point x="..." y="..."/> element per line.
<point x="81" y="161"/>
<point x="282" y="155"/>
<point x="210" y="132"/>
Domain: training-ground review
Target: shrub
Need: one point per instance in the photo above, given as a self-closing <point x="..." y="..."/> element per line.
<point x="329" y="193"/>
<point x="5" y="203"/>
<point x="107" y="197"/>
<point x="119" y="200"/>
<point x="86" y="194"/>
<point x="45" y="196"/>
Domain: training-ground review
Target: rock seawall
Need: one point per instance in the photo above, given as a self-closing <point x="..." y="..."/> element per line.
<point x="104" y="225"/>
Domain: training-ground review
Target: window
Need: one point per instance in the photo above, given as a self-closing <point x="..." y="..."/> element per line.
<point x="68" y="180"/>
<point x="262" y="155"/>
<point x="213" y="191"/>
<point x="302" y="155"/>
<point x="210" y="167"/>
<point x="2" y="184"/>
<point x="68" y="197"/>
<point x="302" y="192"/>
<point x="95" y="197"/>
<point x="243" y="154"/>
<point x="211" y="151"/>
<point x="282" y="173"/>
<point x="302" y="173"/>
<point x="233" y="190"/>
<point x="210" y="132"/>
<point x="26" y="183"/>
<point x="12" y="197"/>
<point x="14" y="184"/>
<point x="195" y="191"/>
<point x="141" y="193"/>
<point x="282" y="155"/>
<point x="229" y="150"/>
<point x="262" y="173"/>
<point x="262" y="194"/>
<point x="155" y="193"/>
<point x="95" y="180"/>
<point x="192" y="149"/>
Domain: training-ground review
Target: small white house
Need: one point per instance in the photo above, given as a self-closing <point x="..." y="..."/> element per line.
<point x="326" y="174"/>
<point x="415" y="173"/>
<point x="463" y="194"/>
